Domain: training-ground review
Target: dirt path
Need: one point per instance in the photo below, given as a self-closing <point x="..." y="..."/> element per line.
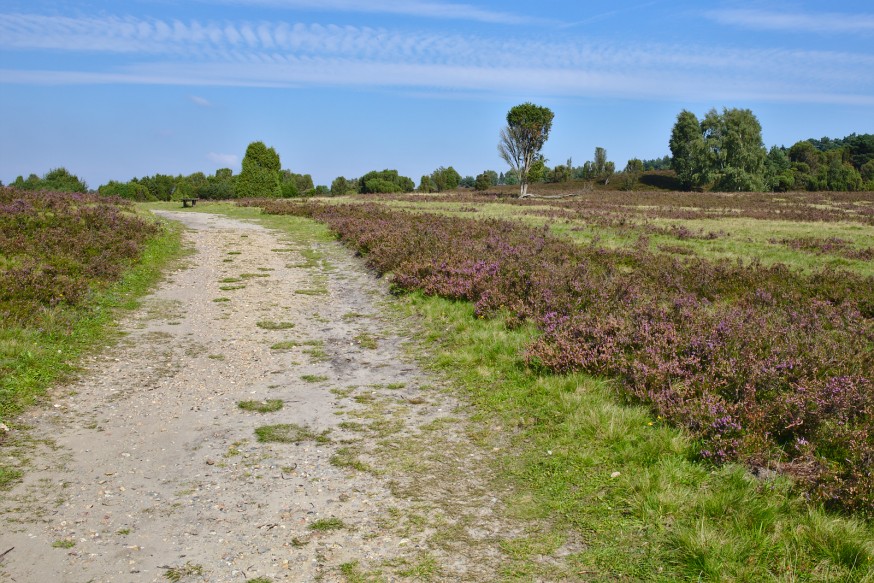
<point x="146" y="469"/>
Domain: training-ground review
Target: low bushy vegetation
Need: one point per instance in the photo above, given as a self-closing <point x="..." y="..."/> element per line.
<point x="58" y="253"/>
<point x="762" y="364"/>
<point x="57" y="246"/>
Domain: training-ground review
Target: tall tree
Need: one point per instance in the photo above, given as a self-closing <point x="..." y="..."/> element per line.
<point x="741" y="152"/>
<point x="260" y="174"/>
<point x="527" y="130"/>
<point x="778" y="171"/>
<point x="445" y="178"/>
<point x="599" y="164"/>
<point x="340" y="186"/>
<point x="632" y="172"/>
<point x="725" y="149"/>
<point x="687" y="151"/>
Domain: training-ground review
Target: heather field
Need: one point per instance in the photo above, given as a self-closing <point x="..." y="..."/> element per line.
<point x="592" y="326"/>
<point x="668" y="386"/>
<point x="66" y="259"/>
<point x="684" y="300"/>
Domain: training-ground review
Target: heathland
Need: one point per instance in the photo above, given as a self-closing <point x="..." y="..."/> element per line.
<point x="681" y="383"/>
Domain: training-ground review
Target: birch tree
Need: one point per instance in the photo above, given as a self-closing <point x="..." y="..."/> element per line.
<point x="527" y="130"/>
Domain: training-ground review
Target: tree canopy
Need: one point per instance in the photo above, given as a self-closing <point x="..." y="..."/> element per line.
<point x="528" y="127"/>
<point x="387" y="181"/>
<point x="723" y="149"/>
<point x="57" y="179"/>
<point x="445" y="179"/>
<point x="260" y="176"/>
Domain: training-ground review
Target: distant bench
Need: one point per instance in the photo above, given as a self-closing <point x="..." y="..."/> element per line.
<point x="186" y="201"/>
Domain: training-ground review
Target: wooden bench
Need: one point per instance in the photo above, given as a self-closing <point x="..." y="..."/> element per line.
<point x="186" y="201"/>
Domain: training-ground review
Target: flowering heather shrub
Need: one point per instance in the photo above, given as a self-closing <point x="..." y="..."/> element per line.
<point x="55" y="246"/>
<point x="763" y="365"/>
<point x="620" y="206"/>
<point x="833" y="245"/>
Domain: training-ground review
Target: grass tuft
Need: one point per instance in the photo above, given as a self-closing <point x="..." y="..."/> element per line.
<point x="366" y="340"/>
<point x="290" y="433"/>
<point x="178" y="573"/>
<point x="268" y="406"/>
<point x="270" y="325"/>
<point x="326" y="524"/>
<point x="314" y="378"/>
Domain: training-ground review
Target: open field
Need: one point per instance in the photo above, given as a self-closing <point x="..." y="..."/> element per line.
<point x="740" y="353"/>
<point x="623" y="373"/>
<point x="807" y="231"/>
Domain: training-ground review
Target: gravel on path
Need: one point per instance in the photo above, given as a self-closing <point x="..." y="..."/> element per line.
<point x="146" y="469"/>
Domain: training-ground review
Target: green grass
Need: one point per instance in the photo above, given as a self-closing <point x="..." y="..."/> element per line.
<point x="285" y="345"/>
<point x="65" y="543"/>
<point x="179" y="573"/>
<point x="316" y="351"/>
<point x="312" y="292"/>
<point x="312" y="258"/>
<point x="8" y="476"/>
<point x="317" y="354"/>
<point x="289" y="433"/>
<point x="352" y="573"/>
<point x="326" y="524"/>
<point x="347" y="457"/>
<point x="366" y="340"/>
<point x="270" y="325"/>
<point x="266" y="406"/>
<point x="624" y="481"/>
<point x="314" y="378"/>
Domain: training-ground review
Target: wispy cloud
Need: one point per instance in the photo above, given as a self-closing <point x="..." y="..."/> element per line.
<point x="277" y="54"/>
<point x="226" y="160"/>
<point x="416" y="8"/>
<point x="826" y="22"/>
<point x="199" y="101"/>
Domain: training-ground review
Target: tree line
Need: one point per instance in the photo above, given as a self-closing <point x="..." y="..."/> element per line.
<point x="724" y="151"/>
<point x="721" y="151"/>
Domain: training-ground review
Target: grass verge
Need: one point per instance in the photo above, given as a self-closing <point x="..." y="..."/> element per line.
<point x="625" y="482"/>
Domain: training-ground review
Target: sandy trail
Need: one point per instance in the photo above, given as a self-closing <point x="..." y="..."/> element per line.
<point x="146" y="469"/>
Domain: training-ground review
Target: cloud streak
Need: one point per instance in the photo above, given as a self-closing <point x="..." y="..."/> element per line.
<point x="415" y="8"/>
<point x="823" y="23"/>
<point x="277" y="54"/>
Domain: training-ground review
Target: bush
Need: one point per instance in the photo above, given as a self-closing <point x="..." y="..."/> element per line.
<point x="56" y="246"/>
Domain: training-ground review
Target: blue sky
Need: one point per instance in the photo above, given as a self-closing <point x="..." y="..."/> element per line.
<point x="118" y="89"/>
